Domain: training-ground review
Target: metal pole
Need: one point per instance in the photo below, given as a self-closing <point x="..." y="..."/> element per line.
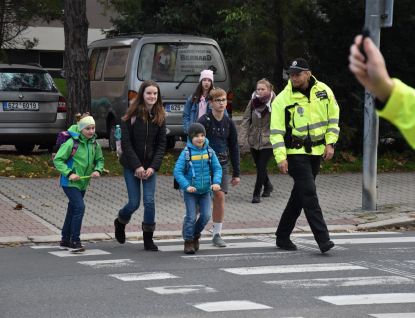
<point x="374" y="11"/>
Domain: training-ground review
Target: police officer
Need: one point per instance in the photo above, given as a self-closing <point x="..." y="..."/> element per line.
<point x="304" y="129"/>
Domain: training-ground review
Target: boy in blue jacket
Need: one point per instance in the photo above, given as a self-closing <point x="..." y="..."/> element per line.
<point x="193" y="172"/>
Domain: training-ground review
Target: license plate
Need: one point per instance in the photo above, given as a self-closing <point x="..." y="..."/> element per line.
<point x="20" y="106"/>
<point x="174" y="108"/>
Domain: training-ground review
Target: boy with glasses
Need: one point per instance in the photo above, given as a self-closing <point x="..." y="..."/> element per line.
<point x="222" y="134"/>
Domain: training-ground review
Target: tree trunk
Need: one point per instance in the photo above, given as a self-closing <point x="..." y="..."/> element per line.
<point x="76" y="59"/>
<point x="278" y="80"/>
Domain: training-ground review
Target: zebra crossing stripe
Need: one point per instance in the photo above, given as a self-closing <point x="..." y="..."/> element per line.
<point x="230" y="306"/>
<point x="186" y="289"/>
<point x="374" y="240"/>
<point x="129" y="277"/>
<point x="342" y="282"/>
<point x="394" y="315"/>
<point x="229" y="245"/>
<point x="86" y="253"/>
<point x="280" y="269"/>
<point x="370" y="299"/>
<point x="108" y="263"/>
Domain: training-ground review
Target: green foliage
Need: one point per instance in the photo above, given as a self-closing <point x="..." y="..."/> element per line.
<point x="15" y="17"/>
<point x="260" y="38"/>
<point x="61" y="83"/>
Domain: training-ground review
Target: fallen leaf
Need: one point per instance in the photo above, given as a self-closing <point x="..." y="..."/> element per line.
<point x="9" y="168"/>
<point x="47" y="204"/>
<point x="45" y="164"/>
<point x="19" y="206"/>
<point x="24" y="196"/>
<point x="348" y="156"/>
<point x="7" y="161"/>
<point x="105" y="171"/>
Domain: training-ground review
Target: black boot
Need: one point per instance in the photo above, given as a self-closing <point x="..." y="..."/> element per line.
<point x="148" y="230"/>
<point x="119" y="231"/>
<point x="268" y="188"/>
<point x="257" y="195"/>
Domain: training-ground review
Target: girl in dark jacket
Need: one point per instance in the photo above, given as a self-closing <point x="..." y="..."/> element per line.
<point x="143" y="143"/>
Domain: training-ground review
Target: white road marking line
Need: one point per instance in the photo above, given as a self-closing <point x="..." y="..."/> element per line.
<point x="129" y="277"/>
<point x="385" y="269"/>
<point x="280" y="269"/>
<point x="186" y="289"/>
<point x="394" y="315"/>
<point x="108" y="263"/>
<point x="370" y="299"/>
<point x="230" y="306"/>
<point x="236" y="254"/>
<point x="176" y="248"/>
<point x="208" y="238"/>
<point x="86" y="253"/>
<point x="377" y="240"/>
<point x="349" y="233"/>
<point x="342" y="282"/>
<point x="39" y="247"/>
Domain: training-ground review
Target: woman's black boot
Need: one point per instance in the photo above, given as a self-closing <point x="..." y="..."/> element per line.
<point x="268" y="188"/>
<point x="148" y="230"/>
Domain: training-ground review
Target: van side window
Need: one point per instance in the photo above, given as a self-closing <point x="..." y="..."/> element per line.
<point x="171" y="62"/>
<point x="96" y="63"/>
<point x="116" y="65"/>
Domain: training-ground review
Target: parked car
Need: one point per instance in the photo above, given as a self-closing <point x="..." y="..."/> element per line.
<point x="119" y="65"/>
<point x="33" y="110"/>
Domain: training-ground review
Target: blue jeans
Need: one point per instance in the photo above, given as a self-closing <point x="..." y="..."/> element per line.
<point x="134" y="196"/>
<point x="76" y="208"/>
<point x="191" y="201"/>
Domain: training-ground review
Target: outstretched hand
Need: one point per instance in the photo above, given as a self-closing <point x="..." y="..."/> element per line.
<point x="372" y="73"/>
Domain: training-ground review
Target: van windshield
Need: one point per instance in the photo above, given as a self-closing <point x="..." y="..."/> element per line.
<point x="172" y="62"/>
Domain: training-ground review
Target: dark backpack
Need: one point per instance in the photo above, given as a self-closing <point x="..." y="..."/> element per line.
<point x="63" y="137"/>
<point x="189" y="164"/>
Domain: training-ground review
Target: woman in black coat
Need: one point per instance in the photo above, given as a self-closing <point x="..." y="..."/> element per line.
<point x="143" y="143"/>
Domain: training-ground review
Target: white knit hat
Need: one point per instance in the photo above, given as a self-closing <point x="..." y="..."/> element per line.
<point x="206" y="74"/>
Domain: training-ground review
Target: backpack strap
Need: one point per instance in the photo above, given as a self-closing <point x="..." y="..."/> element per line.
<point x="189" y="163"/>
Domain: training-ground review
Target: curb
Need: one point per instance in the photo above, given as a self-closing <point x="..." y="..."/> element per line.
<point x="401" y="221"/>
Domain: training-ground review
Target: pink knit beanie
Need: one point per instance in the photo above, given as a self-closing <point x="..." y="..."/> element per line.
<point x="206" y="74"/>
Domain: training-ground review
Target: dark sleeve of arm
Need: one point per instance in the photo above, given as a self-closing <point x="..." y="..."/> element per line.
<point x="160" y="147"/>
<point x="127" y="147"/>
<point x="233" y="145"/>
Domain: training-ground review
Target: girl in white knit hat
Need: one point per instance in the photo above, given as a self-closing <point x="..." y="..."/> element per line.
<point x="198" y="103"/>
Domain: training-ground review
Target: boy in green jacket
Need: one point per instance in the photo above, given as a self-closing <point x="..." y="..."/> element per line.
<point x="76" y="169"/>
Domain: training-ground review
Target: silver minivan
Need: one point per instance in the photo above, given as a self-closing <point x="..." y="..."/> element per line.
<point x="119" y="65"/>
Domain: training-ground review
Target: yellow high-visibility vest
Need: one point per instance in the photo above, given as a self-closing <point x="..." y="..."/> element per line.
<point x="317" y="116"/>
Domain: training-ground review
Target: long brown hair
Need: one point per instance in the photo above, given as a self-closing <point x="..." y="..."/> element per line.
<point x="199" y="92"/>
<point x="138" y="108"/>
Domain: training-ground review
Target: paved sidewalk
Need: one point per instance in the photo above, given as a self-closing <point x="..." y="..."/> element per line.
<point x="44" y="207"/>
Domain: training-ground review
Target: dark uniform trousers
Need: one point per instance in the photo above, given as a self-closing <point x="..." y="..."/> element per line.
<point x="303" y="169"/>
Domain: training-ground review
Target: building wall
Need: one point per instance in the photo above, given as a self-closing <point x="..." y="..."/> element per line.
<point x="49" y="52"/>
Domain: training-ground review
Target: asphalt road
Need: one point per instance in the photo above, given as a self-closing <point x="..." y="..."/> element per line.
<point x="365" y="275"/>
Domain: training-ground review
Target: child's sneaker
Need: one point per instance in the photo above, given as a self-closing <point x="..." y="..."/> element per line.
<point x="64" y="245"/>
<point x="76" y="247"/>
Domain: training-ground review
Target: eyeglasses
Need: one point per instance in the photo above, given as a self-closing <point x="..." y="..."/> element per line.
<point x="220" y="100"/>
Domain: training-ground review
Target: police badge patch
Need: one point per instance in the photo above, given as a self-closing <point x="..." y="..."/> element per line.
<point x="322" y="95"/>
<point x="300" y="111"/>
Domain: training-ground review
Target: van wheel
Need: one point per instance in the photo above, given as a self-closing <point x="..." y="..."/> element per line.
<point x="170" y="142"/>
<point x="24" y="149"/>
<point x="111" y="136"/>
